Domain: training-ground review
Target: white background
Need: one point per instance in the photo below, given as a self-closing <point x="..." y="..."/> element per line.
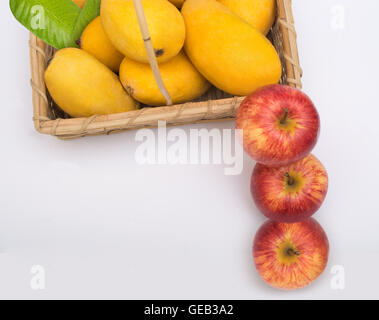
<point x="105" y="227"/>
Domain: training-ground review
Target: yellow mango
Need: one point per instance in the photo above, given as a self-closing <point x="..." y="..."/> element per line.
<point x="95" y="41"/>
<point x="80" y="3"/>
<point x="178" y="3"/>
<point x="164" y="21"/>
<point x="82" y="86"/>
<point x="182" y="80"/>
<point x="228" y="51"/>
<point x="259" y="13"/>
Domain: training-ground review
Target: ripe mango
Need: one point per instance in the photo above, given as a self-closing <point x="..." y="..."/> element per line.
<point x="178" y="3"/>
<point x="228" y="51"/>
<point x="95" y="41"/>
<point x="164" y="21"/>
<point x="80" y="3"/>
<point x="259" y="13"/>
<point x="82" y="86"/>
<point x="182" y="80"/>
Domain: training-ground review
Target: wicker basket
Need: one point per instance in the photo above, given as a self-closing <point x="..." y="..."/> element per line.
<point x="213" y="106"/>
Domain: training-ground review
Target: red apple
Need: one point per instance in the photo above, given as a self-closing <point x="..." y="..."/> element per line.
<point x="291" y="193"/>
<point x="290" y="256"/>
<point x="280" y="125"/>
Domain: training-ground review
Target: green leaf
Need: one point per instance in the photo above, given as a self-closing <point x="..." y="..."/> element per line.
<point x="90" y="11"/>
<point x="57" y="22"/>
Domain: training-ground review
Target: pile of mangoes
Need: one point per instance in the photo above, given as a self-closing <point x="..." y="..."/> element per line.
<point x="209" y="42"/>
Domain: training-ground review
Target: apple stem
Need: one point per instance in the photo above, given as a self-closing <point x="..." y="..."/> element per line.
<point x="285" y="116"/>
<point x="291" y="252"/>
<point x="291" y="180"/>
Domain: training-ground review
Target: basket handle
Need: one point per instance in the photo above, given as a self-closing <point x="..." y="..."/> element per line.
<point x="150" y="50"/>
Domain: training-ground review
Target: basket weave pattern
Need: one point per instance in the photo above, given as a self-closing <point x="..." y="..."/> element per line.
<point x="213" y="106"/>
